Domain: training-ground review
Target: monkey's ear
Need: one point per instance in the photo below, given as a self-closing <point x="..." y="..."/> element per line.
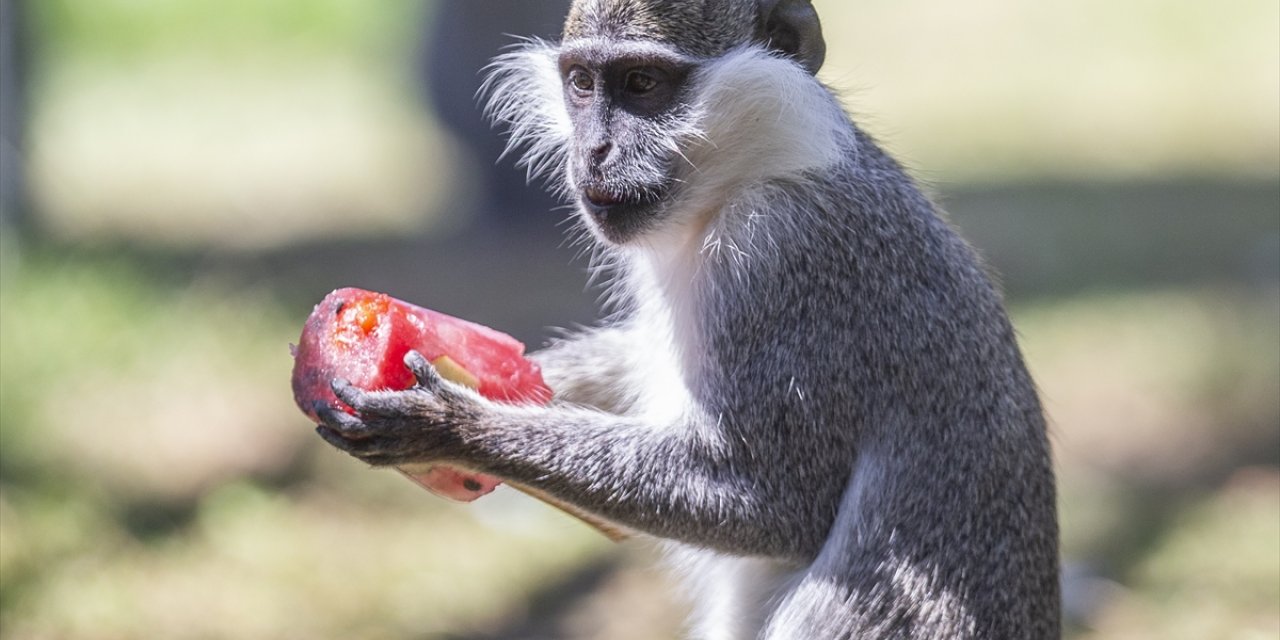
<point x="791" y="27"/>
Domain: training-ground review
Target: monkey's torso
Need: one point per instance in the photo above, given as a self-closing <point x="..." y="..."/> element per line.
<point x="894" y="410"/>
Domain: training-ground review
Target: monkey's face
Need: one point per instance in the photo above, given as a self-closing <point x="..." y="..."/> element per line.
<point x="627" y="105"/>
<point x="651" y="114"/>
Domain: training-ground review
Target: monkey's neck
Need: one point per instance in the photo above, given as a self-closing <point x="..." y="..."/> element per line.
<point x="665" y="276"/>
<point x="666" y="281"/>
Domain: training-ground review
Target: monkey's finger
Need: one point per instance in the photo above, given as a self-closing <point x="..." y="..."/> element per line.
<point x="361" y="448"/>
<point x="333" y="438"/>
<point x="355" y="398"/>
<point x="341" y="422"/>
<point x="372" y="450"/>
<point x="422" y="370"/>
<point x="371" y="405"/>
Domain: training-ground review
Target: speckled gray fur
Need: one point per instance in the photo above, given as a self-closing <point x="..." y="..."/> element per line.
<point x="702" y="28"/>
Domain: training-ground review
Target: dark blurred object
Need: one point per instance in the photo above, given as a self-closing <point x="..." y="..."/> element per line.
<point x="464" y="36"/>
<point x="1061" y="238"/>
<point x="14" y="48"/>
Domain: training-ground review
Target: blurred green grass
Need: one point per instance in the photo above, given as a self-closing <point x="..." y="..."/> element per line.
<point x="246" y="124"/>
<point x="1000" y="89"/>
<point x="129" y="30"/>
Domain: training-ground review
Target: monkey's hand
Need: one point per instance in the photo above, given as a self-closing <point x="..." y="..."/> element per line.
<point x="428" y="422"/>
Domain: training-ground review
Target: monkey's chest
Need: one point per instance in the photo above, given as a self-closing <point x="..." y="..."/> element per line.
<point x="730" y="596"/>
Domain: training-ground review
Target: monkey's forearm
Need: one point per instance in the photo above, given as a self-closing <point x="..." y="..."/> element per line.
<point x="650" y="478"/>
<point x="664" y="479"/>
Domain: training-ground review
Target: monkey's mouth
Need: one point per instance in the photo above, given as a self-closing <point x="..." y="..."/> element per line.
<point x="620" y="213"/>
<point x="602" y="198"/>
<point x="599" y="199"/>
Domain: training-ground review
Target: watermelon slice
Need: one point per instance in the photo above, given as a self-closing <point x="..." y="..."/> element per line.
<point x="363" y="336"/>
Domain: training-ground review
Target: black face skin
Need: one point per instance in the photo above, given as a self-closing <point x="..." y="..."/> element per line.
<point x="622" y="101"/>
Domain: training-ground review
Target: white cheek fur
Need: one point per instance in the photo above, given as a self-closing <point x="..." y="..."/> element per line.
<point x="761" y="116"/>
<point x="525" y="96"/>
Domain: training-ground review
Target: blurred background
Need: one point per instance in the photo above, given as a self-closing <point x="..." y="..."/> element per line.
<point x="183" y="180"/>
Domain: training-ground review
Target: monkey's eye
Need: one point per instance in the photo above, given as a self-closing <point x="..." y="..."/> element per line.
<point x="581" y="81"/>
<point x="640" y="82"/>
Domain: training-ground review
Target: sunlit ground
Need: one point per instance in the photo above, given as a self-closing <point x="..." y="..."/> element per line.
<point x="156" y="480"/>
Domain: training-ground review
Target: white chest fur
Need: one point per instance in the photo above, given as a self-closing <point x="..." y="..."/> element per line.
<point x="731" y="596"/>
<point x="666" y="324"/>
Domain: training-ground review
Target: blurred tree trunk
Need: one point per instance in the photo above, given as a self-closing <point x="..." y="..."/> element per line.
<point x="463" y="37"/>
<point x="14" y="47"/>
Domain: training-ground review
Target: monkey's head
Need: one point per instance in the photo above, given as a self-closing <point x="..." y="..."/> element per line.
<point x="649" y="108"/>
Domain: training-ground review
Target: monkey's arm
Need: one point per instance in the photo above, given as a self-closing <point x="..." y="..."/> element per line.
<point x="661" y="479"/>
<point x="590" y="369"/>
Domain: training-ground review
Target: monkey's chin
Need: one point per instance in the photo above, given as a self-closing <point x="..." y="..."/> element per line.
<point x="618" y="221"/>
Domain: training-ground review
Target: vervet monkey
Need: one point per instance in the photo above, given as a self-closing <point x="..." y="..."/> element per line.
<point x="808" y="389"/>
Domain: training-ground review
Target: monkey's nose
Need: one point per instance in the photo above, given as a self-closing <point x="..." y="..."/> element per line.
<point x="601" y="152"/>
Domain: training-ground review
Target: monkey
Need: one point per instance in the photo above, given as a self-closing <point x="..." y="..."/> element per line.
<point x="805" y="389"/>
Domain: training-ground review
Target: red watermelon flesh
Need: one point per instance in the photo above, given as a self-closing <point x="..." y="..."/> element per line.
<point x="363" y="336"/>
